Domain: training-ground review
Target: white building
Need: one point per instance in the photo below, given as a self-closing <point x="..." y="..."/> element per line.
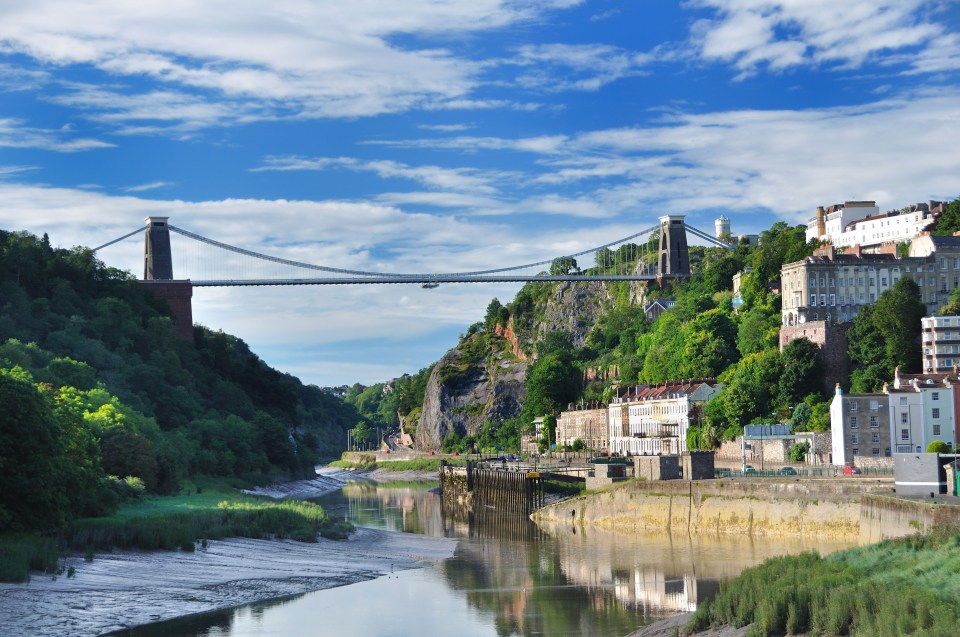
<point x="860" y="223"/>
<point x="941" y="343"/>
<point x="653" y="420"/>
<point x="905" y="418"/>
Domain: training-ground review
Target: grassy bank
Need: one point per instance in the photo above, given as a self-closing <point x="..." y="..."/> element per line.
<point x="907" y="586"/>
<point x="367" y="462"/>
<point x="171" y="523"/>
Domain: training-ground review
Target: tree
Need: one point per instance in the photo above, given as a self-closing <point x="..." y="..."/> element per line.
<point x="563" y="265"/>
<point x="361" y="434"/>
<point x="938" y="446"/>
<point x="897" y="315"/>
<point x="798" y="452"/>
<point x="496" y="315"/>
<point x="949" y="221"/>
<point x="802" y="371"/>
<point x="750" y="387"/>
<point x="552" y="382"/>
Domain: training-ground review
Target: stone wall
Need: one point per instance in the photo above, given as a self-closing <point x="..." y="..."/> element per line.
<point x="789" y="507"/>
<point x="831" y="339"/>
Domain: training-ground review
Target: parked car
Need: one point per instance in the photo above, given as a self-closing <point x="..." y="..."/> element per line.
<point x="749" y="471"/>
<point x="788" y="471"/>
<point x="850" y="470"/>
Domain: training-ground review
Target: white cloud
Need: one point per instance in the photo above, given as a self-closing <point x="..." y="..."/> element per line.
<point x="585" y="67"/>
<point x="779" y="35"/>
<point x="151" y="186"/>
<point x="257" y="61"/>
<point x="15" y="134"/>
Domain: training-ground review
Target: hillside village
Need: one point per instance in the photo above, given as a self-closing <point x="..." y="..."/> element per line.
<point x="851" y="409"/>
<point x="859" y="260"/>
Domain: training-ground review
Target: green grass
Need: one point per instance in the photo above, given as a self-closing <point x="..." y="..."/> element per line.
<point x="171" y="523"/>
<point x="181" y="521"/>
<point x="908" y="586"/>
<point x="369" y="463"/>
<point x="20" y="554"/>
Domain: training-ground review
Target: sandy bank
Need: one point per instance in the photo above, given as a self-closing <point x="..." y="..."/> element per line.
<point x="124" y="589"/>
<point x="666" y="628"/>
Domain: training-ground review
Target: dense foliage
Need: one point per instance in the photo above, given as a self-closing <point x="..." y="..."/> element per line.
<point x="95" y="383"/>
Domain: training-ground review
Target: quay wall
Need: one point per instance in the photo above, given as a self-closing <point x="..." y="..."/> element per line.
<point x="791" y="507"/>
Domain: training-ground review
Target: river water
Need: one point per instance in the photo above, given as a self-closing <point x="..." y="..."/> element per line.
<point x="523" y="581"/>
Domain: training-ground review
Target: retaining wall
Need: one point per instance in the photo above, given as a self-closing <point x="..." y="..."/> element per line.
<point x="826" y="508"/>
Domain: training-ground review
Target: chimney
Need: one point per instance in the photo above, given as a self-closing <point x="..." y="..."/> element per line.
<point x="821" y="222"/>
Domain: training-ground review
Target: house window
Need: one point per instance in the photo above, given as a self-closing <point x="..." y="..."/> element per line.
<point x="936" y="412"/>
<point x="904" y="434"/>
<point x="813" y="283"/>
<point x="833" y="299"/>
<point x="853" y="422"/>
<point x="841" y="299"/>
<point x="935" y="396"/>
<point x="873" y="405"/>
<point x="875" y="437"/>
<point x="886" y="452"/>
<point x="874" y="421"/>
<point x="936" y="430"/>
<point x="823" y="299"/>
<point x="813" y="300"/>
<point x="883" y="281"/>
<point x="855" y="438"/>
<point x="876" y="452"/>
<point x="903" y="400"/>
<point x="854" y="406"/>
<point x="904" y="418"/>
<point x="856" y="452"/>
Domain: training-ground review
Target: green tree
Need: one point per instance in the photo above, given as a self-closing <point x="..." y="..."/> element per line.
<point x="552" y="382"/>
<point x="802" y="371"/>
<point x="949" y="221"/>
<point x="563" y="265"/>
<point x="938" y="446"/>
<point x="496" y="315"/>
<point x="750" y="387"/>
<point x="362" y="435"/>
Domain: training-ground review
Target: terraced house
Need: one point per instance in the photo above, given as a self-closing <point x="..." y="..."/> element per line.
<point x="653" y="419"/>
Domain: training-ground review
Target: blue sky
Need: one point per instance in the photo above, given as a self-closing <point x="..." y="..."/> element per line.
<point x="443" y="135"/>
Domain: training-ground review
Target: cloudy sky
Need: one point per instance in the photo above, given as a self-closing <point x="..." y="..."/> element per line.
<point x="442" y="135"/>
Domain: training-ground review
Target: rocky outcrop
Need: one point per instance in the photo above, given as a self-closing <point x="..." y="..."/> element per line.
<point x="462" y="395"/>
<point x="574" y="307"/>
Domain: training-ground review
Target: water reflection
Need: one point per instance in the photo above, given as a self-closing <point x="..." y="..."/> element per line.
<point x="516" y="581"/>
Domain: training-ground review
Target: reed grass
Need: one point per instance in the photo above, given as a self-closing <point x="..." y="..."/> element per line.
<point x="20" y="554"/>
<point x="909" y="586"/>
<point x="182" y="522"/>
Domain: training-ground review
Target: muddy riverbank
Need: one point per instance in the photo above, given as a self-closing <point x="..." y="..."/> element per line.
<point x="124" y="589"/>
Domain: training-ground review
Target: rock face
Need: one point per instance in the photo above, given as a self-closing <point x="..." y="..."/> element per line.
<point x="461" y="396"/>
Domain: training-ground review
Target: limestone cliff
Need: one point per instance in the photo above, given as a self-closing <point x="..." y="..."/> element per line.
<point x="463" y="394"/>
<point x="473" y="384"/>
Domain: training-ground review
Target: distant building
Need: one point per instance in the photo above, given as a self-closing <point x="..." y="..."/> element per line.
<point x="860" y="223"/>
<point x="653" y="419"/>
<point x="941" y="343"/>
<point x="721" y="227"/>
<point x="832" y="286"/>
<point x="656" y="307"/>
<point x="859" y="426"/>
<point x="587" y="422"/>
<point x="903" y="418"/>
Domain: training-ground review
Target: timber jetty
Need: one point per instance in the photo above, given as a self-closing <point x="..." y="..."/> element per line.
<point x="498" y="497"/>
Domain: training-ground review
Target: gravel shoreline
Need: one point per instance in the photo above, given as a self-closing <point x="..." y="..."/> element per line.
<point x="130" y="588"/>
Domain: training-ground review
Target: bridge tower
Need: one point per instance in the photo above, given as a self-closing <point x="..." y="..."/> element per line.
<point x="674" y="256"/>
<point x="158" y="276"/>
<point x="157" y="260"/>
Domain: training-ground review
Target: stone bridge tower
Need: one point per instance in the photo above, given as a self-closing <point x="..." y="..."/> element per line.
<point x="674" y="257"/>
<point x="158" y="276"/>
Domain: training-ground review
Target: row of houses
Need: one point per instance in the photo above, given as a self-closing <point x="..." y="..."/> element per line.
<point x="905" y="417"/>
<point x="641" y="420"/>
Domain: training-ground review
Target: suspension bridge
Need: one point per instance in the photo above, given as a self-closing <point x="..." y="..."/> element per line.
<point x="655" y="253"/>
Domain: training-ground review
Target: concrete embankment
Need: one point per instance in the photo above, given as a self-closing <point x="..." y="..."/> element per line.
<point x="789" y="507"/>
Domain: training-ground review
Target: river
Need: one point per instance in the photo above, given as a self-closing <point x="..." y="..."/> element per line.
<point x="523" y="581"/>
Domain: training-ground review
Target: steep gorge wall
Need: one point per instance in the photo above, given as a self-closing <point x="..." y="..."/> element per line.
<point x="489" y="390"/>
